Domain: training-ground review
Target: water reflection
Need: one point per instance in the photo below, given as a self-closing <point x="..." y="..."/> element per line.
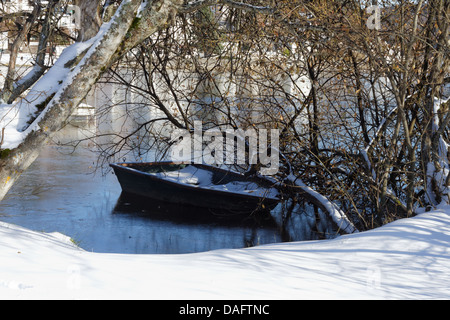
<point x="176" y="229"/>
<point x="61" y="192"/>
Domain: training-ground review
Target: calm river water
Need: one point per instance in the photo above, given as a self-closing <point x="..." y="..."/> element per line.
<point x="60" y="193"/>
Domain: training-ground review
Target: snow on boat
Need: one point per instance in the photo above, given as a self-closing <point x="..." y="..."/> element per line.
<point x="197" y="185"/>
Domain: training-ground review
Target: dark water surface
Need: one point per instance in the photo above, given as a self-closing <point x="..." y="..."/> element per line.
<point x="59" y="193"/>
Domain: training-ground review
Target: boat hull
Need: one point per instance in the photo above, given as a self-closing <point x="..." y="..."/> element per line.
<point x="143" y="184"/>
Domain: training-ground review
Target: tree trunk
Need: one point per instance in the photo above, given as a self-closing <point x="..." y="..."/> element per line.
<point x="90" y="19"/>
<point x="8" y="87"/>
<point x="39" y="68"/>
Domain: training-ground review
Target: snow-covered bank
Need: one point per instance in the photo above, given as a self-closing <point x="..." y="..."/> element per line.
<point x="407" y="259"/>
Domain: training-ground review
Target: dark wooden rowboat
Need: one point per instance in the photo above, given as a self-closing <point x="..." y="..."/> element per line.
<point x="196" y="185"/>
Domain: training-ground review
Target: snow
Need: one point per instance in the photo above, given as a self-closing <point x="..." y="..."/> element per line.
<point x="336" y="214"/>
<point x="200" y="178"/>
<point x="440" y="175"/>
<point x="141" y="9"/>
<point x="406" y="259"/>
<point x="14" y="117"/>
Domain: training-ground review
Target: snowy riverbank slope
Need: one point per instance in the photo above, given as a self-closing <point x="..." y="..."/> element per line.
<point x="408" y="259"/>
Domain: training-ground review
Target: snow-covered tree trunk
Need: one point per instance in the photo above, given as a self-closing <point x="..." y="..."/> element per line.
<point x="435" y="147"/>
<point x="39" y="67"/>
<point x="55" y="96"/>
<point x="436" y="155"/>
